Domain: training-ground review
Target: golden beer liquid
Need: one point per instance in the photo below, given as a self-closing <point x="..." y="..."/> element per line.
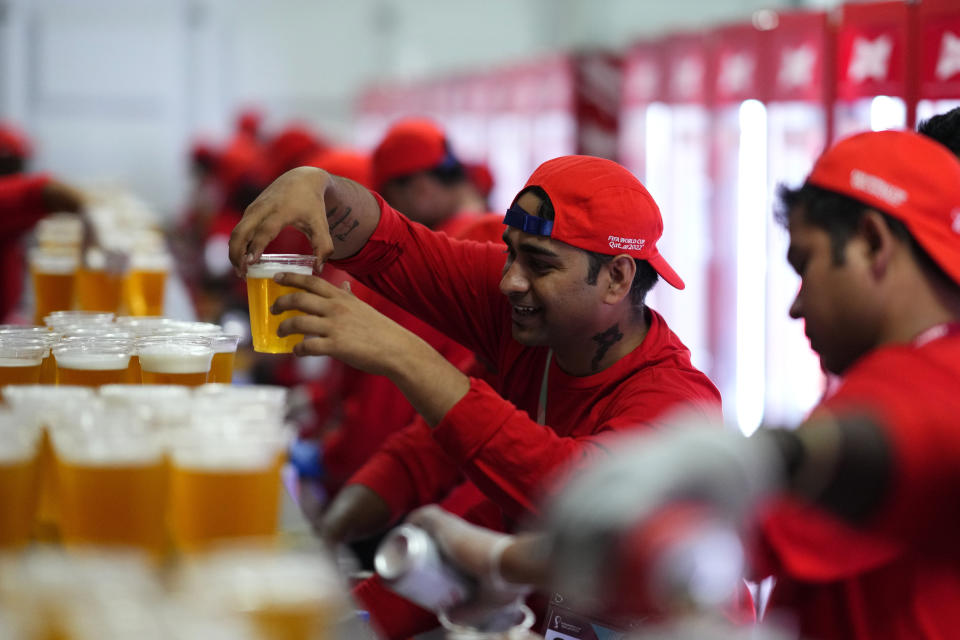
<point x="210" y="505"/>
<point x="190" y="367"/>
<point x="144" y="292"/>
<point x="134" y="373"/>
<point x="52" y="292"/>
<point x="261" y="294"/>
<point x="48" y="369"/>
<point x="19" y="480"/>
<point x="291" y="621"/>
<point x="48" y="509"/>
<point x="221" y="368"/>
<point x="112" y="504"/>
<point x="19" y="371"/>
<point x="92" y="369"/>
<point x="98" y="290"/>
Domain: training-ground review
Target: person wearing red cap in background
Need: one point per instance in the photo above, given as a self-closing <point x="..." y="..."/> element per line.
<point x="24" y="200"/>
<point x="415" y="170"/>
<point x="866" y="547"/>
<point x="560" y="318"/>
<point x="481" y="178"/>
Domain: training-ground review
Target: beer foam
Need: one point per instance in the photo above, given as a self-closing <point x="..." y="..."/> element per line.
<point x="175" y="358"/>
<point x="92" y="361"/>
<point x="20" y="362"/>
<point x="55" y="264"/>
<point x="270" y="269"/>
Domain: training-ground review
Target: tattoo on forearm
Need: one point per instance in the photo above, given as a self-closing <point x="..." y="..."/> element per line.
<point x="343" y="236"/>
<point x="604" y="341"/>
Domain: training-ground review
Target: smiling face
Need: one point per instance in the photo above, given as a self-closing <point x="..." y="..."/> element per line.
<point x="546" y="283"/>
<point x="837" y="299"/>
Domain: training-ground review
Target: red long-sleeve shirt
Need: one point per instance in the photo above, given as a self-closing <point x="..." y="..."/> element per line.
<point x="21" y="206"/>
<point x="895" y="577"/>
<point x="490" y="434"/>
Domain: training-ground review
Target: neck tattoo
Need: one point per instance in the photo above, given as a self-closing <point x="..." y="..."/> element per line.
<point x="604" y="341"/>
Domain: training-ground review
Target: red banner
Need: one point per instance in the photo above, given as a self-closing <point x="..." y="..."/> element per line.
<point x="873" y="44"/>
<point x="738" y="51"/>
<point x="643" y="74"/>
<point x="939" y="49"/>
<point x="686" y="79"/>
<point x="799" y="47"/>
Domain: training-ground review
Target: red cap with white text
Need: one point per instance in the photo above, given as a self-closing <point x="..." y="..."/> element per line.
<point x="906" y="175"/>
<point x="598" y="206"/>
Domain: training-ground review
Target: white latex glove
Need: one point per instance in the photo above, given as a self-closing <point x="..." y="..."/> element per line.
<point x="476" y="551"/>
<point x="690" y="460"/>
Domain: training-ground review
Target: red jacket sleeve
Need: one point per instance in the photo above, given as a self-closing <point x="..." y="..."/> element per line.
<point x="513" y="459"/>
<point x="409" y="470"/>
<point x="21" y="202"/>
<point x="451" y="284"/>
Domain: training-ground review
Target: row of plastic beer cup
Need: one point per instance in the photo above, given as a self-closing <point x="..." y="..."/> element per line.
<point x="231" y="594"/>
<point x="135" y="464"/>
<point x="97" y="351"/>
<point x="61" y="282"/>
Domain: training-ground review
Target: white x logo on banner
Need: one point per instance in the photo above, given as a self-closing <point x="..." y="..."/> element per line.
<point x="870" y="59"/>
<point x="949" y="61"/>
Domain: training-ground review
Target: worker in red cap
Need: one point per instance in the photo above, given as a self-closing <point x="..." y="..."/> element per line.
<point x="559" y="318"/>
<point x="24" y="200"/>
<point x="865" y="546"/>
<point x="417" y="172"/>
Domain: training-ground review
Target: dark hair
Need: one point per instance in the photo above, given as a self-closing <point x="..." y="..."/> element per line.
<point x="644" y="277"/>
<point x="944" y="128"/>
<point x="839" y="216"/>
<point x="11" y="164"/>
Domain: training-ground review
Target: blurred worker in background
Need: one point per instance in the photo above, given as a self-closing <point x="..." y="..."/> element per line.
<point x="25" y="198"/>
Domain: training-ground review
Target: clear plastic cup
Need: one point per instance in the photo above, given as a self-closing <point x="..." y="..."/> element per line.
<point x="224" y="354"/>
<point x="145" y="283"/>
<point x="112" y="483"/>
<point x="99" y="283"/>
<point x="289" y="595"/>
<point x="93" y="361"/>
<point x="174" y="359"/>
<point x="21" y="359"/>
<point x="52" y="275"/>
<point x="19" y="478"/>
<point x="162" y="406"/>
<point x="45" y="407"/>
<point x="262" y="292"/>
<point x="224" y="485"/>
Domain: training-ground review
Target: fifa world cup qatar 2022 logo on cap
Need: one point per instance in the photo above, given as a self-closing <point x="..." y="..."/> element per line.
<point x="626" y="244"/>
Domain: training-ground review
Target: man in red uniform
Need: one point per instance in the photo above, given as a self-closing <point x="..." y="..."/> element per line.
<point x="24" y="200"/>
<point x="560" y="319"/>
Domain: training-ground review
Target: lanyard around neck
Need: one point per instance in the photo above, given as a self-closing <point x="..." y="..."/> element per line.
<point x="542" y="408"/>
<point x="936" y="332"/>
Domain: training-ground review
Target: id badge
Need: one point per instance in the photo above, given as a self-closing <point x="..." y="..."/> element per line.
<point x="565" y="624"/>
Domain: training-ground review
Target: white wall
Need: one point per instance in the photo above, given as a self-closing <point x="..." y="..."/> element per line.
<point x="114" y="90"/>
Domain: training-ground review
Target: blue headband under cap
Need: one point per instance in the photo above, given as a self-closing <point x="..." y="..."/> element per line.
<point x="519" y="219"/>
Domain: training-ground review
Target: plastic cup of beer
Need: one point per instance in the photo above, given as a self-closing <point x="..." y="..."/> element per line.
<point x="289" y="595"/>
<point x="224" y="353"/>
<point x="99" y="282"/>
<point x="262" y="292"/>
<point x="59" y="232"/>
<point x="52" y="275"/>
<point x="145" y="283"/>
<point x="112" y="482"/>
<point x="265" y="403"/>
<point x="223" y="487"/>
<point x="175" y="359"/>
<point x="93" y="361"/>
<point x="163" y="406"/>
<point x="42" y="406"/>
<point x="59" y="321"/>
<point x="19" y="478"/>
<point x="48" y="369"/>
<point x="21" y="359"/>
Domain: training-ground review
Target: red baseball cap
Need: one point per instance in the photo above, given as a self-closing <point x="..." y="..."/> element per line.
<point x="13" y="142"/>
<point x="343" y="162"/>
<point x="410" y="146"/>
<point x="909" y="176"/>
<point x="598" y="206"/>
